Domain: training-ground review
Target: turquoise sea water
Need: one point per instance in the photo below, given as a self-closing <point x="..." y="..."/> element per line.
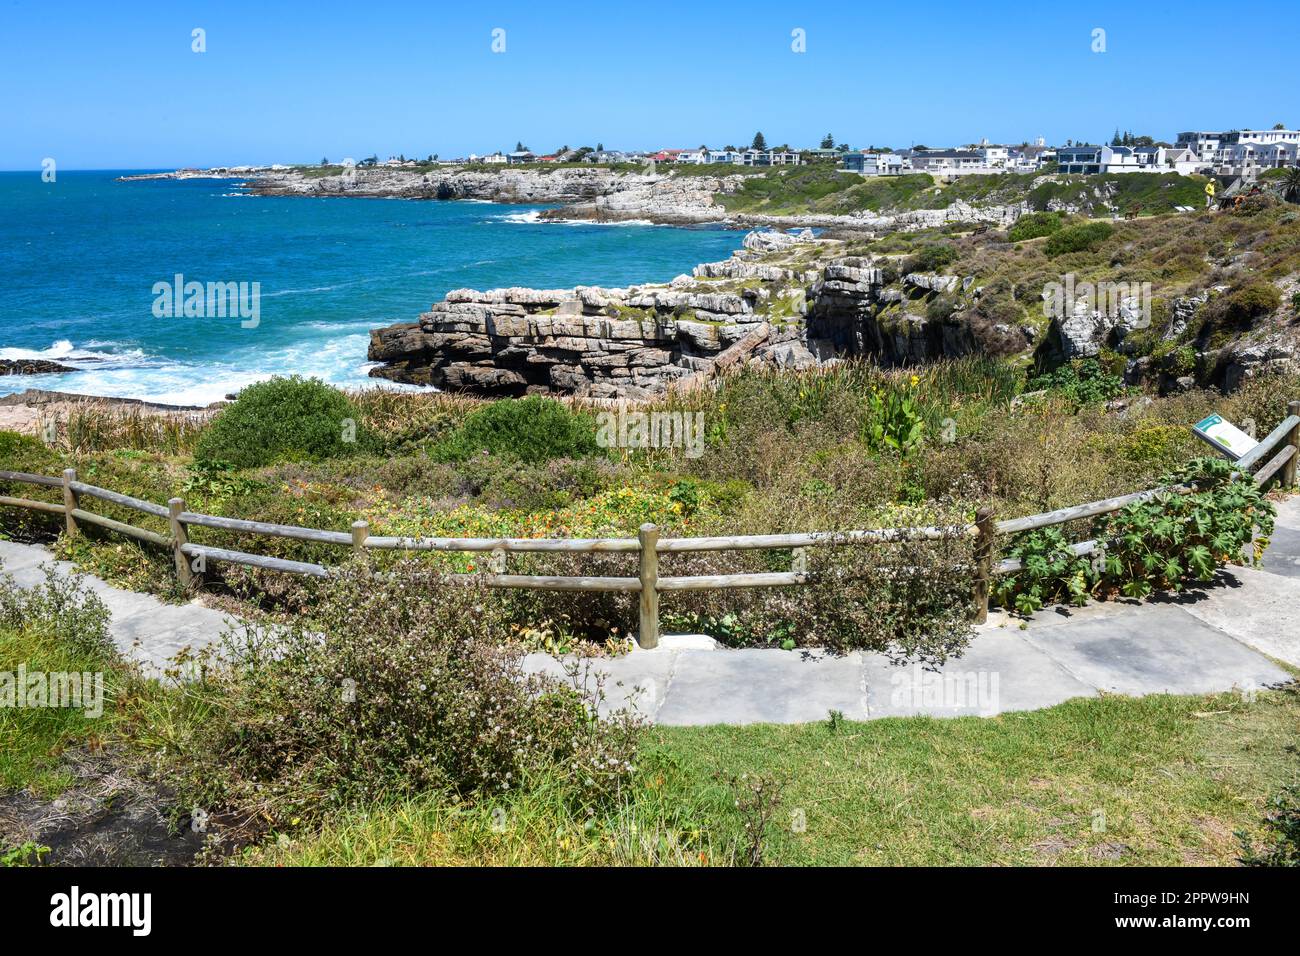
<point x="79" y="258"/>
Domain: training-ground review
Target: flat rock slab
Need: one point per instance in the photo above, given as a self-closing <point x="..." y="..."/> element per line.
<point x="762" y="686"/>
<point x="1000" y="671"/>
<point x="1255" y="606"/>
<point x="1155" y="649"/>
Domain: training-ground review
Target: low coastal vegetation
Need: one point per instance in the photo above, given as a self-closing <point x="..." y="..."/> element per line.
<point x="844" y="447"/>
<point x="260" y="752"/>
<point x="257" y="754"/>
<point x="827" y="190"/>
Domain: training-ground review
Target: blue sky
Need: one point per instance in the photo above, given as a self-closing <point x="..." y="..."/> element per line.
<point x="116" y="85"/>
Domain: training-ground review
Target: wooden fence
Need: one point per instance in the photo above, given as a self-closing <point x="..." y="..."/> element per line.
<point x="647" y="544"/>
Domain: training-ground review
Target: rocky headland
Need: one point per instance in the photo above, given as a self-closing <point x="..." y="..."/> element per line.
<point x="791" y="301"/>
<point x="604" y="194"/>
<point x="797" y="300"/>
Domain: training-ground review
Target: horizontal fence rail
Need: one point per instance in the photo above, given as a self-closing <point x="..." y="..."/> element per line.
<point x="190" y="556"/>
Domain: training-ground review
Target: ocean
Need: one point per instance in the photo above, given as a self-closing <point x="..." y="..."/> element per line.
<point x="80" y="257"/>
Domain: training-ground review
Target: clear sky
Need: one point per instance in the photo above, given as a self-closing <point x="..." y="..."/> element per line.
<point x="113" y="85"/>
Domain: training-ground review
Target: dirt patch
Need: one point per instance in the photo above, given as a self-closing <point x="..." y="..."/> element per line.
<point x="108" y="817"/>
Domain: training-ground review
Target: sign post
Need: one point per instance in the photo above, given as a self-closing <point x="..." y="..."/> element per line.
<point x="1223" y="436"/>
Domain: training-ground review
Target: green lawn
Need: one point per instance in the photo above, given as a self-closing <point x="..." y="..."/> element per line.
<point x="33" y="738"/>
<point x="1112" y="781"/>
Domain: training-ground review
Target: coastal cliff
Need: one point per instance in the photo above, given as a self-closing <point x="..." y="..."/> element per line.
<point x="791" y="301"/>
<point x="593" y="192"/>
<point x="799" y="300"/>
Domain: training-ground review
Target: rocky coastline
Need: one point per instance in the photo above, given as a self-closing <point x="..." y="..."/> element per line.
<point x="790" y="301"/>
<point x="793" y="301"/>
<point x="594" y="193"/>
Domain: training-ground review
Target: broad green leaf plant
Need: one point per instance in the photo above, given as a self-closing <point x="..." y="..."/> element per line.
<point x="1164" y="543"/>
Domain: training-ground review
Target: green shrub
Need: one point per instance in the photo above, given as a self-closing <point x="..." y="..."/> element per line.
<point x="1243" y="305"/>
<point x="931" y="257"/>
<point x="1085" y="237"/>
<point x="1035" y="225"/>
<point x="1163" y="543"/>
<point x="283" y="420"/>
<point x="395" y="685"/>
<point x="61" y="608"/>
<point x="1084" y="381"/>
<point x="532" y="429"/>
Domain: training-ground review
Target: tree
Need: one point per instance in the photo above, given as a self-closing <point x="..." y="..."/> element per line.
<point x="1291" y="185"/>
<point x="828" y="141"/>
<point x="1279" y="125"/>
<point x="324" y="161"/>
<point x="520" y="147"/>
<point x="600" y="147"/>
<point x="759" y="143"/>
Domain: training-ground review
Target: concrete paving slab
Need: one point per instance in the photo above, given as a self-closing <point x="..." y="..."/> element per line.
<point x="1155" y="649"/>
<point x="1283" y="553"/>
<point x="1288" y="512"/>
<point x="762" y="686"/>
<point x="155" y="637"/>
<point x="1258" y="608"/>
<point x="14" y="555"/>
<point x="999" y="672"/>
<point x="637" y="682"/>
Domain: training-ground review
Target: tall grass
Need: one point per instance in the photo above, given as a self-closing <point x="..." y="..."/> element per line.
<point x="95" y="425"/>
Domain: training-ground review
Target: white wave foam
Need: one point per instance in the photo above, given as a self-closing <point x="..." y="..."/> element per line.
<point x="533" y="215"/>
<point x="64" y="351"/>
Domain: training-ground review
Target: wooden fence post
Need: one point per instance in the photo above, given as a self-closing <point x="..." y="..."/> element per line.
<point x="497" y="563"/>
<point x="360" y="531"/>
<point x="180" y="538"/>
<point x="983" y="562"/>
<point x="1293" y="439"/>
<point x="70" y="499"/>
<point x="648" y="634"/>
<point x="799" y="560"/>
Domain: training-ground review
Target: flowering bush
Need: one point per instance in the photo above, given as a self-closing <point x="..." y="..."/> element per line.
<point x="400" y="684"/>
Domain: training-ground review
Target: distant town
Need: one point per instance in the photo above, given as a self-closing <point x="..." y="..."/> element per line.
<point x="1240" y="152"/>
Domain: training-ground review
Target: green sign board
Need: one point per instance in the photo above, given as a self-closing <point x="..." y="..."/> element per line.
<point x="1224" y="436"/>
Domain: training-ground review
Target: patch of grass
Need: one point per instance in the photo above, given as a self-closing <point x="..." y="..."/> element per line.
<point x="1113" y="781"/>
<point x="50" y="630"/>
<point x="1172" y="778"/>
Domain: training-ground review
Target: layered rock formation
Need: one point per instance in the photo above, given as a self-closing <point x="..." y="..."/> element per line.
<point x="789" y="301"/>
<point x="31" y="367"/>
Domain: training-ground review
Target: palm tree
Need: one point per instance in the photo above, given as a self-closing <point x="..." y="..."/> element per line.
<point x="1291" y="185"/>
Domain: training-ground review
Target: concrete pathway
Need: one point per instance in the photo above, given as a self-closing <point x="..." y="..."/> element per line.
<point x="143" y="627"/>
<point x="1217" y="639"/>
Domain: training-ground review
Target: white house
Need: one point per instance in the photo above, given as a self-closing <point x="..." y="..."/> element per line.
<point x="995" y="157"/>
<point x="875" y="164"/>
<point x="1204" y="144"/>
